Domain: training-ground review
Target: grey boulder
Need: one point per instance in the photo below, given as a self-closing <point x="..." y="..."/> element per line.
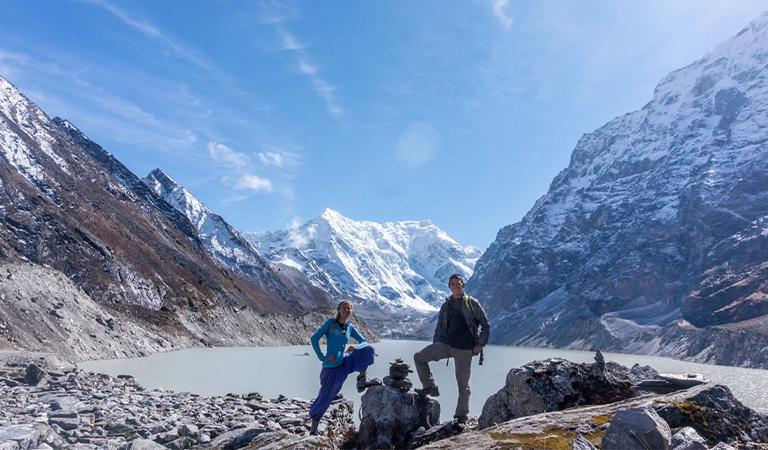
<point x="390" y="417"/>
<point x="144" y="444"/>
<point x="23" y="436"/>
<point x="688" y="439"/>
<point x="637" y="429"/>
<point x="581" y="443"/>
<point x="515" y="399"/>
<point x="237" y="438"/>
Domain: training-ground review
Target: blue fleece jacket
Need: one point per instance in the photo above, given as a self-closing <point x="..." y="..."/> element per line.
<point x="337" y="341"/>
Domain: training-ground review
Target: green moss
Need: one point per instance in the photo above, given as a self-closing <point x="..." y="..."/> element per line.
<point x="601" y="420"/>
<point x="552" y="439"/>
<point x="596" y="437"/>
<point x="693" y="411"/>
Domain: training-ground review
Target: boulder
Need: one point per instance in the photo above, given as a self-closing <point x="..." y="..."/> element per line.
<point x="237" y="438"/>
<point x="33" y="375"/>
<point x="181" y="443"/>
<point x="189" y="430"/>
<point x="581" y="443"/>
<point x="716" y="415"/>
<point x="281" y="440"/>
<point x="24" y="436"/>
<point x="722" y="446"/>
<point x="688" y="439"/>
<point x="711" y="410"/>
<point x="390" y="416"/>
<point x="515" y="399"/>
<point x="144" y="444"/>
<point x="422" y="436"/>
<point x="637" y="429"/>
<point x="556" y="384"/>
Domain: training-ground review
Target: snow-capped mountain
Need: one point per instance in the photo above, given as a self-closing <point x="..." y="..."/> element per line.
<point x="227" y="246"/>
<point x="71" y="213"/>
<point x="223" y="242"/>
<point x="400" y="267"/>
<point x="634" y="227"/>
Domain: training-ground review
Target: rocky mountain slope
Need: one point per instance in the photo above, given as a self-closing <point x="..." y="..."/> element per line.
<point x="69" y="205"/>
<point x="230" y="249"/>
<point x="391" y="270"/>
<point x="656" y="231"/>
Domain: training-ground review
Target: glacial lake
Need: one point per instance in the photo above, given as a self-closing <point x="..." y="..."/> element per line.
<point x="294" y="371"/>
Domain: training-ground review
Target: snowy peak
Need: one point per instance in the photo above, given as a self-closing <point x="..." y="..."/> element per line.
<point x="398" y="266"/>
<point x="178" y="197"/>
<point x="27" y="138"/>
<point x="626" y="231"/>
<point x="70" y="128"/>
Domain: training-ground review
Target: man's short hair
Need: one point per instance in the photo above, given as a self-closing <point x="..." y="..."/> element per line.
<point x="456" y="276"/>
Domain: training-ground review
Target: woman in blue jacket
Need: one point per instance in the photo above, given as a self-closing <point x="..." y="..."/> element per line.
<point x="339" y="360"/>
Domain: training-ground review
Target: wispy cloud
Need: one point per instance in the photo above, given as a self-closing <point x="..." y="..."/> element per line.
<point x="240" y="169"/>
<point x="153" y="32"/>
<point x="418" y="144"/>
<point x="501" y="11"/>
<point x="271" y="159"/>
<point x="290" y="42"/>
<point x="280" y="159"/>
<point x="254" y="183"/>
<point x="222" y="153"/>
<point x="179" y="50"/>
<point x="322" y="88"/>
<point x="90" y="106"/>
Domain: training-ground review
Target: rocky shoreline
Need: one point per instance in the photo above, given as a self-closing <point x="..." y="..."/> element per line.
<point x="549" y="404"/>
<point x="43" y="407"/>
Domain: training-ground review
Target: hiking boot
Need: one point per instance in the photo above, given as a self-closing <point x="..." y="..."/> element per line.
<point x="432" y="391"/>
<point x="313" y="429"/>
<point x="363" y="383"/>
<point x="460" y="419"/>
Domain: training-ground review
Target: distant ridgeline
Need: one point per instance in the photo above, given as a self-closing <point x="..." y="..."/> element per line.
<point x="96" y="262"/>
<point x="396" y="272"/>
<point x="654" y="239"/>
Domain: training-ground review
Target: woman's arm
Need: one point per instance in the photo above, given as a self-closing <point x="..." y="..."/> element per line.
<point x="315" y="339"/>
<point x="353" y="333"/>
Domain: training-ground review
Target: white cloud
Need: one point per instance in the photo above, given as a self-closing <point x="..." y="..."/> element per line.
<point x="500" y="10"/>
<point x="221" y="152"/>
<point x="254" y="183"/>
<point x="185" y="53"/>
<point x="290" y="42"/>
<point x="306" y="68"/>
<point x="322" y="88"/>
<point x="418" y="144"/>
<point x="295" y="237"/>
<point x="272" y="159"/>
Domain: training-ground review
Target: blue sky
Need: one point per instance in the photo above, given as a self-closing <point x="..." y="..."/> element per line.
<point x="460" y="112"/>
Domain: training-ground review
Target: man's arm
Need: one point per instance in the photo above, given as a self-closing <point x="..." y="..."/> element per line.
<point x="438" y="327"/>
<point x="482" y="319"/>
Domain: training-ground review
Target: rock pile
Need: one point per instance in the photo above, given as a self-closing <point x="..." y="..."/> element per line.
<point x="391" y="415"/>
<point x="714" y="417"/>
<point x="398" y="375"/>
<point x="90" y="411"/>
<point x="556" y="384"/>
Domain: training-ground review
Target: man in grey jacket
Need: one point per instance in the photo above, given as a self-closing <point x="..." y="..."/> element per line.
<point x="457" y="337"/>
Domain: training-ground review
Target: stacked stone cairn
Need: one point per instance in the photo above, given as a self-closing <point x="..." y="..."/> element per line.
<point x="391" y="414"/>
<point x="398" y="375"/>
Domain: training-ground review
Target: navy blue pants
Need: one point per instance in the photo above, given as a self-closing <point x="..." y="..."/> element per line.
<point x="331" y="379"/>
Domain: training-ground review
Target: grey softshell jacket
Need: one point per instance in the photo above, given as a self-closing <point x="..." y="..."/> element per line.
<point x="473" y="316"/>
